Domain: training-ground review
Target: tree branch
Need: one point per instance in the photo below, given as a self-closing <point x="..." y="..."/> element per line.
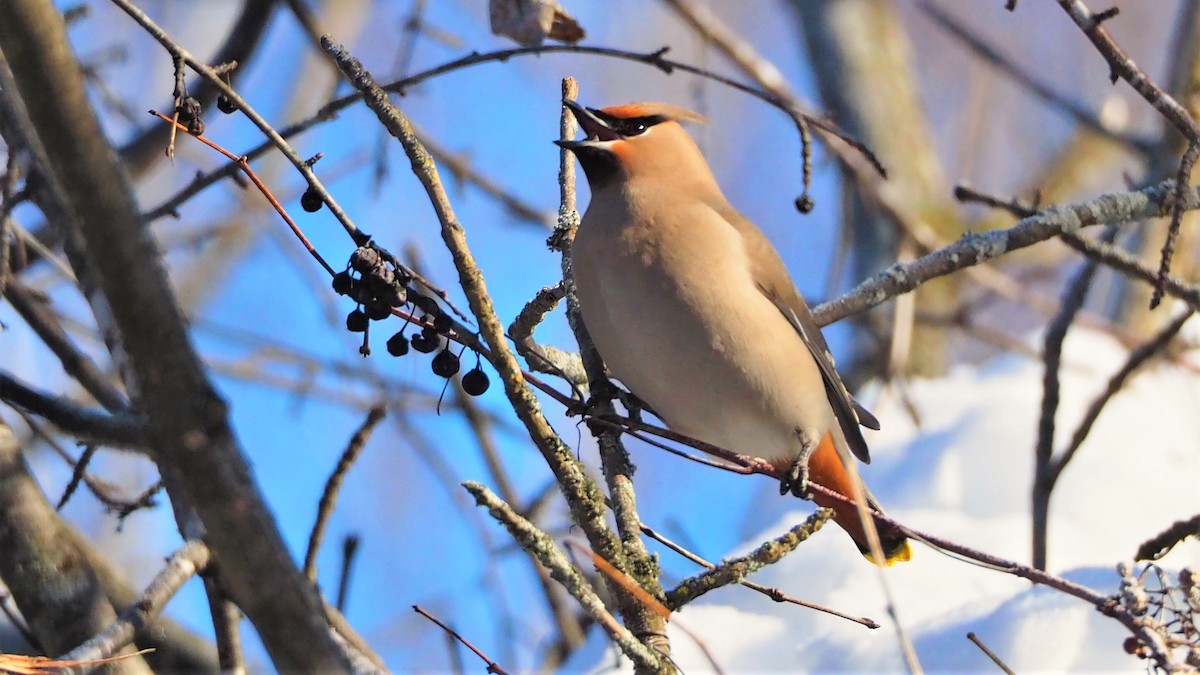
<point x="188" y="424"/>
<point x="1120" y="207"/>
<point x="193" y="557"/>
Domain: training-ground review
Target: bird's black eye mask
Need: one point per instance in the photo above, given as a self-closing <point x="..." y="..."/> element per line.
<point x="629" y="126"/>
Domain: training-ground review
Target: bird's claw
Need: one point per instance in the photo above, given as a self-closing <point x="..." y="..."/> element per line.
<point x="795" y="479"/>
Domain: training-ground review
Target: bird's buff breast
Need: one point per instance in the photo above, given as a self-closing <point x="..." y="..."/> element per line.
<point x="690" y="340"/>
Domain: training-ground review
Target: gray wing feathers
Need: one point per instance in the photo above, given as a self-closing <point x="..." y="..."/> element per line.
<point x="848" y="411"/>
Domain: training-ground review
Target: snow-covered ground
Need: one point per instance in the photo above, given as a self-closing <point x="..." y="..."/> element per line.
<point x="965" y="474"/>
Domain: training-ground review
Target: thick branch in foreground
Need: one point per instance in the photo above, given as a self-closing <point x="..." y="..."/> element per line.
<point x="188" y="421"/>
<point x="49" y="577"/>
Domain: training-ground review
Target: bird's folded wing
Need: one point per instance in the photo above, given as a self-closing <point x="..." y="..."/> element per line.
<point x="773" y="280"/>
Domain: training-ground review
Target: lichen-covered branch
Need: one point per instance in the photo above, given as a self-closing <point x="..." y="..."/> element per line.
<point x="540" y="544"/>
<point x="734" y="570"/>
<point x="1118" y="207"/>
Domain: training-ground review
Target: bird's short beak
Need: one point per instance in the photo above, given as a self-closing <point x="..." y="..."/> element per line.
<point x="597" y="130"/>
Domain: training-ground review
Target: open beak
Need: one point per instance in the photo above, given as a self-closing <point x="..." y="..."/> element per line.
<point x="597" y="130"/>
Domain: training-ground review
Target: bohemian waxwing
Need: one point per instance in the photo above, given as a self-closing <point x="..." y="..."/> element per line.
<point x="692" y="309"/>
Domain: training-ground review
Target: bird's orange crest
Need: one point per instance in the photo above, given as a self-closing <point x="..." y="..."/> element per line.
<point x="649" y="109"/>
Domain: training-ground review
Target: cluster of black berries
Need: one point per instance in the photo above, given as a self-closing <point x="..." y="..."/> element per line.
<point x="189" y="115"/>
<point x="378" y="288"/>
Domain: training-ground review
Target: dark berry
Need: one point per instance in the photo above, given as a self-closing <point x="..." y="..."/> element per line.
<point x="395" y="296"/>
<point x="397" y="345"/>
<point x="378" y="311"/>
<point x="424" y="303"/>
<point x="426" y="345"/>
<point x="475" y="382"/>
<point x="356" y="321"/>
<point x="804" y="203"/>
<point x="429" y="332"/>
<point x="225" y="105"/>
<point x="311" y="201"/>
<point x="442" y="322"/>
<point x="364" y="259"/>
<point x="343" y="283"/>
<point x="445" y="364"/>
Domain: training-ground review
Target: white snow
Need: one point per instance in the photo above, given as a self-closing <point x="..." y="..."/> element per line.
<point x="965" y="475"/>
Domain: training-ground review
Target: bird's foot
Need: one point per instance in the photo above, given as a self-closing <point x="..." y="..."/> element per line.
<point x="795" y="479"/>
<point x="634" y="405"/>
<point x="581" y="407"/>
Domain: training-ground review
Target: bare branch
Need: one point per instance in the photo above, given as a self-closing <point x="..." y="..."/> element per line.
<point x="121" y="430"/>
<point x="193" y="557"/>
<point x="334" y="484"/>
<point x="492" y="666"/>
<point x="972" y="249"/>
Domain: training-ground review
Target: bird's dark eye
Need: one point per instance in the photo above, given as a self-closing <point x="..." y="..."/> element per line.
<point x="638" y="125"/>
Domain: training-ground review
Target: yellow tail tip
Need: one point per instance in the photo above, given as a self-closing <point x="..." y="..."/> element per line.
<point x="901" y="553"/>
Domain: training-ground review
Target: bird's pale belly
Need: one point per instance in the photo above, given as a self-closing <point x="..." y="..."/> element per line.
<point x="714" y="377"/>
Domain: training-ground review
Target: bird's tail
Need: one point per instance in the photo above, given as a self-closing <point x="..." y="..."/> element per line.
<point x="826" y="469"/>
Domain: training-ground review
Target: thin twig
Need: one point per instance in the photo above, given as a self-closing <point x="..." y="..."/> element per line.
<point x="492" y="666"/>
<point x="638" y="602"/>
<point x="1123" y="67"/>
<point x="1137" y="358"/>
<point x="329" y="496"/>
<point x="1056" y="333"/>
<point x="121" y="430"/>
<point x="972" y="249"/>
<point x="244" y="166"/>
<point x="350" y="544"/>
<point x="735" y="570"/>
<point x="991" y="55"/>
<point x="226" y="620"/>
<point x="1182" y="178"/>
<point x="995" y="659"/>
<point x="1162" y="543"/>
<point x="77" y="475"/>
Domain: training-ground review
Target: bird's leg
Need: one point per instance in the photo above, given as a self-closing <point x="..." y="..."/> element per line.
<point x="795" y="477"/>
<point x="634" y="405"/>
